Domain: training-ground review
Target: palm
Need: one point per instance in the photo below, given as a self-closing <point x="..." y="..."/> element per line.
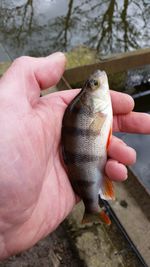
<point x="35" y="193"/>
<point x="40" y="184"/>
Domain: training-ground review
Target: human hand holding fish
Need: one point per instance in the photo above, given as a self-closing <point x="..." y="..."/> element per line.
<point x="35" y="192"/>
<point x="86" y="136"/>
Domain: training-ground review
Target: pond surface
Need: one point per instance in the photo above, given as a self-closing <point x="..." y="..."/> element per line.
<point x="35" y="27"/>
<point x="141" y="143"/>
<point x="38" y="28"/>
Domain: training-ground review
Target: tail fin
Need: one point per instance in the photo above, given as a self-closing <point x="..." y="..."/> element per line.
<point x="96" y="217"/>
<point x="107" y="189"/>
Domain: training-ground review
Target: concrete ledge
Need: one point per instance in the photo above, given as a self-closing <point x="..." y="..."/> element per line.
<point x="100" y="245"/>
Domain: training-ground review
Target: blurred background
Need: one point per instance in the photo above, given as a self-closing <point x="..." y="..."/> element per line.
<point x="37" y="28"/>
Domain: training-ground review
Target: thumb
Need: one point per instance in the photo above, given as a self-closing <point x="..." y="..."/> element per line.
<point x="27" y="75"/>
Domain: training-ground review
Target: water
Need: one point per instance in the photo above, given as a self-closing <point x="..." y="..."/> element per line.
<point x="141" y="143"/>
<point x="34" y="27"/>
<point x="38" y="28"/>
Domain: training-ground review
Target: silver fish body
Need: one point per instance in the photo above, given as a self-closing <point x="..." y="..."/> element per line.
<point x="86" y="132"/>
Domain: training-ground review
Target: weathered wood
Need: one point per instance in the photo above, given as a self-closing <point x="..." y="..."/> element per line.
<point x="63" y="84"/>
<point x="3" y="67"/>
<point x="112" y="64"/>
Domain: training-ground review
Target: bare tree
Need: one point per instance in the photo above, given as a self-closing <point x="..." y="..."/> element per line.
<point x="101" y="25"/>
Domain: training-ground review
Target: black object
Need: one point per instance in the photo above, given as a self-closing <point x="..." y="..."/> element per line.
<point x="142" y="101"/>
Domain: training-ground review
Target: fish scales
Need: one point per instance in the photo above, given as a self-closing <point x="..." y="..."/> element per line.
<point x="86" y="128"/>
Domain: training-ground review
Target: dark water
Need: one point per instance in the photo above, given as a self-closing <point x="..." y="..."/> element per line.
<point x="141" y="143"/>
<point x="35" y="27"/>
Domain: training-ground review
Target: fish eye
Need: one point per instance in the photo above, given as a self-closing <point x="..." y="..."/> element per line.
<point x="94" y="84"/>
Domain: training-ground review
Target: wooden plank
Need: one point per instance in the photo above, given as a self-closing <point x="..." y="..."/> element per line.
<point x="3" y="67"/>
<point x="63" y="84"/>
<point x="112" y="64"/>
<point x="135" y="215"/>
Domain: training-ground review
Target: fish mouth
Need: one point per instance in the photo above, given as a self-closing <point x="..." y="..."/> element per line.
<point x="99" y="74"/>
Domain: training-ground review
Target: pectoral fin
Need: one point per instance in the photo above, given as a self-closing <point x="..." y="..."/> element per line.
<point x="98" y="122"/>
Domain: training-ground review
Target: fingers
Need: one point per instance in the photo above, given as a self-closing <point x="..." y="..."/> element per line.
<point x="27" y="75"/>
<point x="125" y="121"/>
<point x="120" y="155"/>
<point x="119" y="151"/>
<point x="115" y="170"/>
<point x="121" y="103"/>
<point x="48" y="71"/>
<point x="134" y="122"/>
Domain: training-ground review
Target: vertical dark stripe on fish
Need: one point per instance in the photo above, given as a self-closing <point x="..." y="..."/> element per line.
<point x="82" y="184"/>
<point x="73" y="158"/>
<point x="82" y="110"/>
<point x="82" y="187"/>
<point x="75" y="131"/>
<point x="89" y="200"/>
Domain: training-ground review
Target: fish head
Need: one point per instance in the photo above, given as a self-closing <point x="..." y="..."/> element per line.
<point x="98" y="89"/>
<point x="98" y="81"/>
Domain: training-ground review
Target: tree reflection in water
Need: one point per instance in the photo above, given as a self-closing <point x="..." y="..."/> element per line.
<point x="107" y="26"/>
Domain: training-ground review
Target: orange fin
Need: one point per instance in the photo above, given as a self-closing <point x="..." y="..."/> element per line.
<point x="107" y="189"/>
<point x="105" y="218"/>
<point x="109" y="138"/>
<point x="96" y="217"/>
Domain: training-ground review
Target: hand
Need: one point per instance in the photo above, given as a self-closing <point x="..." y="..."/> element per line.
<point x="35" y="193"/>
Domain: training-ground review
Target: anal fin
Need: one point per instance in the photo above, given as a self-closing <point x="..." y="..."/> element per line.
<point x="107" y="189"/>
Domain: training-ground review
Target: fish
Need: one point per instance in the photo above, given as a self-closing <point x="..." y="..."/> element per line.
<point x="85" y="137"/>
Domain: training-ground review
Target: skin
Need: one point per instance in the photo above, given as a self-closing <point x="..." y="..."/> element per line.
<point x="35" y="193"/>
